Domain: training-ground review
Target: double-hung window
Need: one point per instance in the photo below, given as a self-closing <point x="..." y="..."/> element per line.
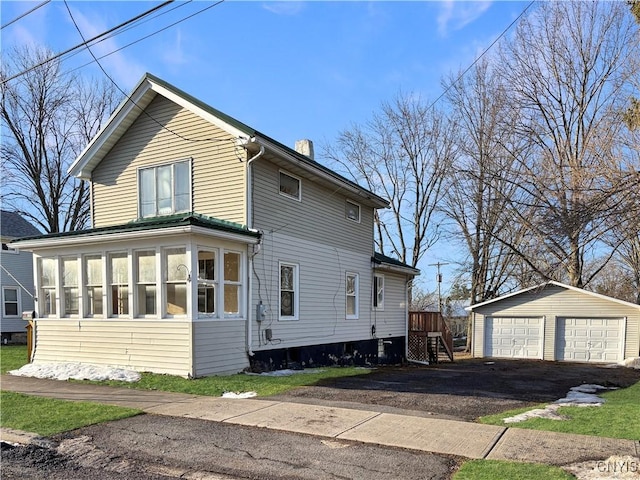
<point x="47" y="295"/>
<point x="351" y="291"/>
<point x="289" y="288"/>
<point x="232" y="283"/>
<point x="165" y="189"/>
<point x="70" y="286"/>
<point x="119" y="284"/>
<point x="378" y="292"/>
<point x="207" y="282"/>
<point x="93" y="285"/>
<point x="176" y="275"/>
<point x="145" y="262"/>
<point x="10" y="301"/>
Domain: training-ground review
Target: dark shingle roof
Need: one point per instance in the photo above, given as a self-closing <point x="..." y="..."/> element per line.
<point x="181" y="219"/>
<point x="12" y="225"/>
<point x="379" y="258"/>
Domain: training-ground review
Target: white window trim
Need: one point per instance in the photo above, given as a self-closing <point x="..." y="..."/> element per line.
<point x="40" y="297"/>
<point x="357" y="296"/>
<point x="4" y="302"/>
<point x="155" y="167"/>
<point x="109" y="281"/>
<point x="103" y="286"/>
<point x="164" y="295"/>
<point x="380" y="304"/>
<point x="296" y="292"/>
<point x="351" y="202"/>
<point x="63" y="286"/>
<point x="239" y="284"/>
<point x="215" y="283"/>
<point x="135" y="282"/>
<point x="299" y="197"/>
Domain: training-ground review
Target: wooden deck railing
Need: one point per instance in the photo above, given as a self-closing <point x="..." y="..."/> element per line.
<point x="432" y="322"/>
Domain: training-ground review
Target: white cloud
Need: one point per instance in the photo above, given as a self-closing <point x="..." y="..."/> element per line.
<point x="124" y="71"/>
<point x="284" y="8"/>
<point x="455" y="15"/>
<point x="174" y="54"/>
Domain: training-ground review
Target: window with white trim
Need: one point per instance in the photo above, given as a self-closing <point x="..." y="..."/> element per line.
<point x="146" y="291"/>
<point x="165" y="189"/>
<point x="290" y="186"/>
<point x="378" y="291"/>
<point x="352" y="211"/>
<point x="207" y="282"/>
<point x="118" y="284"/>
<point x="10" y="301"/>
<point x="289" y="288"/>
<point x="93" y="285"/>
<point x="232" y="283"/>
<point x="70" y="292"/>
<point x="175" y="285"/>
<point x="47" y="294"/>
<point x="351" y="291"/>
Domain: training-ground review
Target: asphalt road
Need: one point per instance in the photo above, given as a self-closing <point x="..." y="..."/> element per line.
<point x="149" y="447"/>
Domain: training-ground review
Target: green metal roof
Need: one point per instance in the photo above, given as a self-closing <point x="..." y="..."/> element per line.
<point x="176" y="220"/>
<point x="379" y="258"/>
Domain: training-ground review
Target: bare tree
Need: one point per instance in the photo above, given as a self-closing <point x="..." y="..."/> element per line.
<point x="403" y="155"/>
<point x="47" y="118"/>
<point x="483" y="179"/>
<point x="569" y="67"/>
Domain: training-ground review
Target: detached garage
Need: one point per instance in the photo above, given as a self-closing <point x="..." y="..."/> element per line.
<point x="553" y="321"/>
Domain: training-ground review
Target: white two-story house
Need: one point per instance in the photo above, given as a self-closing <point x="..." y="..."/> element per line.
<point x="214" y="248"/>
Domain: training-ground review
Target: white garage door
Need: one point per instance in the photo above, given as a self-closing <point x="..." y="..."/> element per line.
<point x="513" y="337"/>
<point x="590" y="339"/>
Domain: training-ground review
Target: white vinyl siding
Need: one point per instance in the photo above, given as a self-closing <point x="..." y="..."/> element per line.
<point x="218" y="183"/>
<point x="160" y="347"/>
<point x="219" y="347"/>
<point x="20" y="265"/>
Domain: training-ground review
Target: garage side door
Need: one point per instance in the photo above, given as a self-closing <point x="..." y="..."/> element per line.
<point x="590" y="339"/>
<point x="513" y="337"/>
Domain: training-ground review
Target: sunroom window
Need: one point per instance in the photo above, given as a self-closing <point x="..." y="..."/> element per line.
<point x="146" y="282"/>
<point x="207" y="282"/>
<point x="47" y="296"/>
<point x="119" y="282"/>
<point x="165" y="189"/>
<point x="232" y="276"/>
<point x="70" y="285"/>
<point x="93" y="288"/>
<point x="176" y="276"/>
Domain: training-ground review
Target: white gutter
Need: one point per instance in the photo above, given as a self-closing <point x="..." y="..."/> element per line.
<point x="249" y="195"/>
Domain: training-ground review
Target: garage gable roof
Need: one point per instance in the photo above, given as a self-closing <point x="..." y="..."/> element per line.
<point x="557" y="284"/>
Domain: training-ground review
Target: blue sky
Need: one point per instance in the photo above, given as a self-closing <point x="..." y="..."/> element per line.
<point x="291" y="70"/>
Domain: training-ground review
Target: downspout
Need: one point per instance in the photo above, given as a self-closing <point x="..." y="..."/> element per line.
<point x="249" y="193"/>
<point x="406" y="317"/>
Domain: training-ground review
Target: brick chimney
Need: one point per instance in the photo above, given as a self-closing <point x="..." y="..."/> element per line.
<point x="305" y="147"/>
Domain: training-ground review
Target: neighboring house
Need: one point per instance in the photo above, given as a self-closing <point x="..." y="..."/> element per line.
<point x="553" y="321"/>
<point x="16" y="274"/>
<point x="214" y="248"/>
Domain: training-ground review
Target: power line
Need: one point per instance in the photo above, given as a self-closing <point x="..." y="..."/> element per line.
<point x="124" y="93"/>
<point x="86" y="42"/>
<point x="25" y="14"/>
<point x="482" y="54"/>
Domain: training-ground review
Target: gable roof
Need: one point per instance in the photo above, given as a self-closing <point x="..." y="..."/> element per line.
<point x="12" y="225"/>
<point x="150" y="86"/>
<point x="542" y="286"/>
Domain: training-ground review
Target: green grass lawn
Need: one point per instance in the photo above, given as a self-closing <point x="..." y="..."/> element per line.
<point x="502" y="470"/>
<point x="48" y="416"/>
<point x="618" y="417"/>
<point x="12" y="357"/>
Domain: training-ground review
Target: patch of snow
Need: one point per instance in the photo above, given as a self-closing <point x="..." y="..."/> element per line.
<point x="614" y="467"/>
<point x="239" y="394"/>
<point x="580" y="396"/>
<point x="75" y="371"/>
<point x="631" y="362"/>
<point x="287" y="372"/>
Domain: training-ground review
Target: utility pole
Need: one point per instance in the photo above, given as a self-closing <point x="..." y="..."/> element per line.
<point x="439" y="280"/>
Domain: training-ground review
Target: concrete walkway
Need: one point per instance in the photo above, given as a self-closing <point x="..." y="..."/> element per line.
<point x="449" y="437"/>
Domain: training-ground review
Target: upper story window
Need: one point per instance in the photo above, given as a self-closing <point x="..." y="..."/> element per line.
<point x="352" y="295"/>
<point x="290" y="186"/>
<point x="378" y="292"/>
<point x="165" y="189"/>
<point x="352" y="211"/>
<point x="10" y="301"/>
